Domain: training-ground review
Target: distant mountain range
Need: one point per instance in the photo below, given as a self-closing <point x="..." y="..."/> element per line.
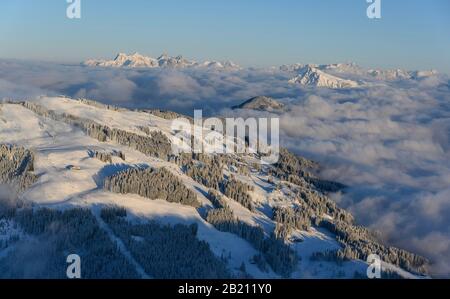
<point x="137" y="60"/>
<point x="332" y="75"/>
<point x="399" y="74"/>
<point x="335" y="67"/>
<point x="335" y="76"/>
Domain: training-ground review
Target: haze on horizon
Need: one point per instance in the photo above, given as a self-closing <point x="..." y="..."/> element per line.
<point x="411" y="34"/>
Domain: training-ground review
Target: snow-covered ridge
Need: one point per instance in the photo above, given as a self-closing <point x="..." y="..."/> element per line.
<point x="312" y="76"/>
<point x="399" y="74"/>
<point x="350" y="67"/>
<point x="261" y="103"/>
<point x="283" y="204"/>
<point x="137" y="60"/>
<point x="335" y="76"/>
<point x="353" y="70"/>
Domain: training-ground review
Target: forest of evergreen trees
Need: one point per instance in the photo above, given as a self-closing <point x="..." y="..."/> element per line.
<point x="293" y="168"/>
<point x="311" y="209"/>
<point x="53" y="236"/>
<point x="209" y="171"/>
<point x="166" y="252"/>
<point x="216" y="199"/>
<point x="290" y="164"/>
<point x="281" y="258"/>
<point x="288" y="219"/>
<point x="359" y="243"/>
<point x="318" y="204"/>
<point x="16" y="167"/>
<point x="153" y="184"/>
<point x="238" y="191"/>
<point x="106" y="157"/>
<point x="49" y="236"/>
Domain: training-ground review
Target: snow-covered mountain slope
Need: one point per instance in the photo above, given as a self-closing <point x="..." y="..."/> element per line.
<point x="294" y="67"/>
<point x="137" y="60"/>
<point x="348" y="72"/>
<point x="124" y="60"/>
<point x="312" y="76"/>
<point x="396" y="74"/>
<point x="261" y="103"/>
<point x="399" y="74"/>
<point x="259" y="221"/>
<point x="349" y="68"/>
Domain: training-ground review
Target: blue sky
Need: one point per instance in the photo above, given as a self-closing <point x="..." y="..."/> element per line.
<point x="413" y="34"/>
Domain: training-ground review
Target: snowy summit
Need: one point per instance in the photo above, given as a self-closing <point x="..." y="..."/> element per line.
<point x="312" y="76"/>
<point x="261" y="103"/>
<point x="137" y="60"/>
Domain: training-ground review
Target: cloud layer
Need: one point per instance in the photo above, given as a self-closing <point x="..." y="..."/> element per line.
<point x="391" y="145"/>
<point x="390" y="142"/>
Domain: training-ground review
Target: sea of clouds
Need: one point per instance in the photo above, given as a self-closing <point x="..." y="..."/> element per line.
<point x="390" y="142"/>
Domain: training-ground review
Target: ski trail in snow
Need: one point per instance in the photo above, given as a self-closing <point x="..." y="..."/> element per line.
<point x="121" y="246"/>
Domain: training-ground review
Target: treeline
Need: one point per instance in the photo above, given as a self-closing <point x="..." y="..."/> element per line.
<point x="208" y="171"/>
<point x="320" y="204"/>
<point x="314" y="208"/>
<point x="51" y="235"/>
<point x="16" y="167"/>
<point x="325" y="185"/>
<point x="153" y="184"/>
<point x="165" y="114"/>
<point x="327" y="256"/>
<point x="308" y="209"/>
<point x="156" y="144"/>
<point x="166" y="252"/>
<point x="6" y="237"/>
<point x="102" y="156"/>
<point x="9" y="203"/>
<point x="289" y="219"/>
<point x="295" y="169"/>
<point x="106" y="157"/>
<point x="101" y="105"/>
<point x="119" y="154"/>
<point x="238" y="191"/>
<point x="281" y="258"/>
<point x="358" y="243"/>
<point x="216" y="199"/>
<point x="55" y="235"/>
<point x="290" y="164"/>
<point x="145" y="129"/>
